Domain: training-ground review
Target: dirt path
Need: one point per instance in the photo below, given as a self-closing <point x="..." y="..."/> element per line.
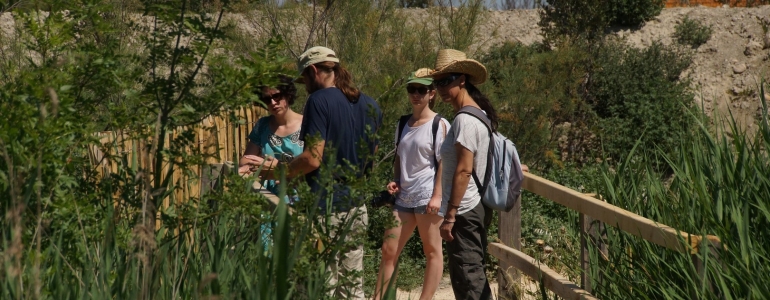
<point x="529" y="290"/>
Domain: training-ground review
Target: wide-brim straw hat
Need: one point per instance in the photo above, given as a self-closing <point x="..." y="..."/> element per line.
<point x="453" y="61"/>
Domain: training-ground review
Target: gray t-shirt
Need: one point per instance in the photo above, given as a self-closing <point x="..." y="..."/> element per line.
<point x="472" y="134"/>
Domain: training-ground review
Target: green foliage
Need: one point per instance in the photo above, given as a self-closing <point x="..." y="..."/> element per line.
<point x="573" y="20"/>
<point x="76" y="230"/>
<point x="415" y="3"/>
<point x="577" y="20"/>
<point x="534" y="91"/>
<point x="634" y="12"/>
<point x="692" y="33"/>
<point x="719" y="187"/>
<point x="639" y="94"/>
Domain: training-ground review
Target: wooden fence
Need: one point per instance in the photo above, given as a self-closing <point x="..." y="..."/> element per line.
<point x="219" y="137"/>
<point x="594" y="214"/>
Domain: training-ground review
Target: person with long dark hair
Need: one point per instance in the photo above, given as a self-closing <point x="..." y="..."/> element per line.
<point x="464" y="152"/>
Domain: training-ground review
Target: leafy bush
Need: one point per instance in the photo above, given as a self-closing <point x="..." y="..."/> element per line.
<point x="692" y="33"/>
<point x="534" y="91"/>
<point x="577" y="19"/>
<point x="573" y="20"/>
<point x="639" y="94"/>
<point x="633" y="12"/>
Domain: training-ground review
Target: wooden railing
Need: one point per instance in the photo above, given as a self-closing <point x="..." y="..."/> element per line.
<point x="594" y="214"/>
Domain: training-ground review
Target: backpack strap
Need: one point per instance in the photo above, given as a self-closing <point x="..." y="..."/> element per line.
<point x="479" y="114"/>
<point x="401" y="124"/>
<point x="434" y="130"/>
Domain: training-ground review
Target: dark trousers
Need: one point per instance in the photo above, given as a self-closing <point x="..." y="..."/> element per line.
<point x="466" y="254"/>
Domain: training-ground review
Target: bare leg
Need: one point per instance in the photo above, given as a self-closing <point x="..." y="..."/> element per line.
<point x="427" y="226"/>
<point x="392" y="245"/>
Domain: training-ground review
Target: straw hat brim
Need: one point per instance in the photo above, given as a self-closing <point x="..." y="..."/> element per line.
<point x="476" y="72"/>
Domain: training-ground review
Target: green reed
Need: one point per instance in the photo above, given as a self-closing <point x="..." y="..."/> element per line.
<point x="719" y="185"/>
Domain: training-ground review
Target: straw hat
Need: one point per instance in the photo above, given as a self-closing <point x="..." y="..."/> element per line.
<point x="453" y="61"/>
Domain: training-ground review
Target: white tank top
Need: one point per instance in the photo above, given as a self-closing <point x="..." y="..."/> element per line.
<point x="416" y="151"/>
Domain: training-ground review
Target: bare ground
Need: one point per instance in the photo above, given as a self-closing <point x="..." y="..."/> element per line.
<point x="726" y="70"/>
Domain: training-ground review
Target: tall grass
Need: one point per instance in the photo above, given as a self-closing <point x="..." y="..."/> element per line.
<point x="719" y="185"/>
<point x="71" y="230"/>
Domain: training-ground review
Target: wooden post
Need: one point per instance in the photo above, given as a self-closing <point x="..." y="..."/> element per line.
<point x="593" y="233"/>
<point x="713" y="244"/>
<point x="585" y="257"/>
<point x="509" y="232"/>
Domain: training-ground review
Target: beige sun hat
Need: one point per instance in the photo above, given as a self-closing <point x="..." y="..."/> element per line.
<point x="317" y="54"/>
<point x="453" y="61"/>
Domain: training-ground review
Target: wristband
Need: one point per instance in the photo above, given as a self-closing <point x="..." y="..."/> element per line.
<point x="447" y="221"/>
<point x="453" y="205"/>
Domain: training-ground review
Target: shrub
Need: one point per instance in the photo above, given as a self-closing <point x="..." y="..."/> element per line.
<point x="574" y="20"/>
<point x="638" y="95"/>
<point x="533" y="91"/>
<point x="589" y="19"/>
<point x="633" y="12"/>
<point x="692" y="33"/>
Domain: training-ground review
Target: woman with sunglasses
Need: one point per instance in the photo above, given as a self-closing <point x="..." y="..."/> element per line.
<point x="275" y="138"/>
<point x="417" y="178"/>
<point x="464" y="152"/>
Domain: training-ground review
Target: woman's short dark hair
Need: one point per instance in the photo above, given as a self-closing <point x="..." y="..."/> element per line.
<point x="285" y="87"/>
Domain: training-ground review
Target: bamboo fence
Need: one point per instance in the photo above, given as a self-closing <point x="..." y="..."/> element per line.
<point x="219" y="138"/>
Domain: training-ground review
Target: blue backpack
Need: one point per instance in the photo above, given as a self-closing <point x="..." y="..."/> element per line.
<point x="502" y="181"/>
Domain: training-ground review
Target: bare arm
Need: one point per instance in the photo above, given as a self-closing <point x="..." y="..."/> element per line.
<point x="251" y="149"/>
<point x="306" y="162"/>
<point x="434" y="205"/>
<point x="394" y="186"/>
<point x="460" y="181"/>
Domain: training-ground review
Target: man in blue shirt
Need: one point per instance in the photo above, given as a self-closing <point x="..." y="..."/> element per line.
<point x="339" y="123"/>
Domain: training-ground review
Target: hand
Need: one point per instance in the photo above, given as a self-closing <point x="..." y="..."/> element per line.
<point x="393" y="187"/>
<point x="524" y="168"/>
<point x="434" y="205"/>
<point x="244" y="170"/>
<point x="446" y="231"/>
<point x="252" y="160"/>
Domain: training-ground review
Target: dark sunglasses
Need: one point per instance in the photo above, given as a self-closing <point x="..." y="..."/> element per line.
<point x="266" y="98"/>
<point x="446" y="80"/>
<point x="421" y="90"/>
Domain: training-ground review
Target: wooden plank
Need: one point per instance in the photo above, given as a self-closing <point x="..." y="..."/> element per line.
<point x="585" y="257"/>
<point x="552" y="280"/>
<point x="632" y="223"/>
<point x="509" y="232"/>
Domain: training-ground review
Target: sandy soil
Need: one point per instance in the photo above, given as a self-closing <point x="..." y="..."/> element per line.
<point x="528" y="286"/>
<point x="726" y="70"/>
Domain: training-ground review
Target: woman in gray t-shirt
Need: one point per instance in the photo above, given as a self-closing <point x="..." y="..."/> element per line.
<point x="463" y="151"/>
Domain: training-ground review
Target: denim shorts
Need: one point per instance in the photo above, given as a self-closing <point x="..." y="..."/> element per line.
<point x="418" y="210"/>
